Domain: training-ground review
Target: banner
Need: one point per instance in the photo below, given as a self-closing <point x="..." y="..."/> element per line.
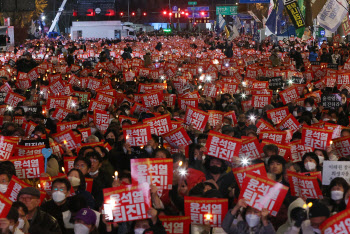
<point x="14" y="187"/>
<point x="333" y="169"/>
<point x="5" y="206"/>
<point x="316" y="138"/>
<point x="7" y="147"/>
<point x="185" y="102"/>
<point x="197" y="118"/>
<point x="263" y="125"/>
<point x="342" y="146"/>
<point x="159" y="125"/>
<point x="241" y="172"/>
<point x="294" y="13"/>
<point x="289" y="95"/>
<point x="178" y="138"/>
<point x="22" y="150"/>
<point x="60" y="113"/>
<point x="128" y="203"/>
<point x="304" y="186"/>
<point x="209" y="211"/>
<point x="222" y="146"/>
<point x="67" y="138"/>
<point x="259" y="101"/>
<point x="250" y="149"/>
<point x="176" y="224"/>
<point x="346" y="25"/>
<point x="12" y="99"/>
<point x="332" y="101"/>
<point x="67" y="125"/>
<point x="137" y="135"/>
<point x="101" y="120"/>
<point x="332" y="14"/>
<point x="155" y="171"/>
<point x="277" y="114"/>
<point x="28" y="167"/>
<point x="289" y="122"/>
<point x="298" y="150"/>
<point x="153" y="99"/>
<point x="263" y="193"/>
<point x="276" y="136"/>
<point x="338" y="223"/>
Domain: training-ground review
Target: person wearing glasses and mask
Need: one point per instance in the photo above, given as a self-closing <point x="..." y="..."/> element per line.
<point x="38" y="219"/>
<point x="59" y="203"/>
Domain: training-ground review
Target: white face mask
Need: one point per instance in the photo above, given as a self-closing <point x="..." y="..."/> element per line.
<point x="80" y="228"/>
<point x="318" y="231"/>
<point x="308" y="108"/>
<point x="58" y="196"/>
<point x="321" y="159"/>
<point x="20" y="223"/>
<point x="149" y="149"/>
<point x="139" y="230"/>
<point x="333" y="157"/>
<point x="295" y="113"/>
<point x="252" y="220"/>
<point x="127" y="112"/>
<point x="310" y="166"/>
<point x="3" y="188"/>
<point x="325" y="119"/>
<point x="337" y="195"/>
<point x="93" y="173"/>
<point x="224" y="104"/>
<point x="11" y="228"/>
<point x="74" y="181"/>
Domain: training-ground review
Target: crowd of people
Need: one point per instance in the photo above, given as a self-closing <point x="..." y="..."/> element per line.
<point x="77" y="118"/>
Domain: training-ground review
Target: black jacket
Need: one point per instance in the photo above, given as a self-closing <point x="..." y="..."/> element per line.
<point x="42" y="222"/>
<point x="55" y="211"/>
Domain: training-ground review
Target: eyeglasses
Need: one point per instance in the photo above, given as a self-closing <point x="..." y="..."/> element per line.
<point x="59" y="189"/>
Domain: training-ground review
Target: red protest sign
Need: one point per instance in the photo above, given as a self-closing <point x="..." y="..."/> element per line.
<point x="89" y="182"/>
<point x="128" y="203"/>
<point x="263" y="125"/>
<point x="12" y="99"/>
<point x="67" y="125"/>
<point x="137" y="135"/>
<point x="28" y="167"/>
<point x="289" y="122"/>
<point x="54" y="102"/>
<point x="159" y="125"/>
<point x="283" y="149"/>
<point x="304" y="186"/>
<point x="298" y="150"/>
<point x="178" y="138"/>
<point x="289" y="95"/>
<point x="223" y="146"/>
<point x="197" y="118"/>
<point x="152" y="99"/>
<point x="276" y="136"/>
<point x="250" y="149"/>
<point x="185" y="102"/>
<point x="215" y="118"/>
<point x="261" y="192"/>
<point x="231" y="115"/>
<point x="101" y="120"/>
<point x="209" y="211"/>
<point x="176" y="224"/>
<point x="22" y="150"/>
<point x="7" y="147"/>
<point x="277" y="114"/>
<point x="57" y="87"/>
<point x="241" y="172"/>
<point x="14" y="187"/>
<point x="85" y="133"/>
<point x="316" y="138"/>
<point x="96" y="105"/>
<point x="5" y="206"/>
<point x="259" y="101"/>
<point x="338" y="223"/>
<point x="158" y="172"/>
<point x="67" y="138"/>
<point x="101" y="97"/>
<point x="342" y="146"/>
<point x="68" y="163"/>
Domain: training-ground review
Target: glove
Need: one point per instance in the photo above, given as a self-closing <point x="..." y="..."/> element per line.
<point x="299" y="215"/>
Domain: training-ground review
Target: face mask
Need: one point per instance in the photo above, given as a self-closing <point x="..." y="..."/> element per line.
<point x="58" y="196"/>
<point x="93" y="173"/>
<point x="149" y="149"/>
<point x="20" y="223"/>
<point x="295" y="113"/>
<point x="337" y="195"/>
<point x="310" y="166"/>
<point x="127" y="112"/>
<point x="325" y="119"/>
<point x="321" y="159"/>
<point x="74" y="181"/>
<point x="93" y="130"/>
<point x="80" y="228"/>
<point x="346" y="201"/>
<point x="3" y="188"/>
<point x="203" y="144"/>
<point x="215" y="170"/>
<point x="252" y="220"/>
<point x="139" y="230"/>
<point x="11" y="228"/>
<point x="110" y="141"/>
<point x="309" y="108"/>
<point x="332" y="157"/>
<point x="316" y="230"/>
<point x="224" y="105"/>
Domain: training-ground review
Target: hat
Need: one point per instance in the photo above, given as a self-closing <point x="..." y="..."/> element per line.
<point x="227" y="129"/>
<point x="86" y="215"/>
<point x="29" y="191"/>
<point x="318" y="210"/>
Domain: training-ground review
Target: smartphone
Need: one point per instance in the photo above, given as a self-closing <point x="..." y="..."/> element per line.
<point x="108" y="211"/>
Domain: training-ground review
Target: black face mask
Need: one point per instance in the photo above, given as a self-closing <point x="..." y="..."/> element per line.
<point x="241" y="124"/>
<point x="215" y="170"/>
<point x="110" y="141"/>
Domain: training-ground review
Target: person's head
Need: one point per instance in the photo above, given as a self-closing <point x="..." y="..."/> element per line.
<point x="270" y="150"/>
<point x="228" y="130"/>
<point x="141" y="226"/>
<point x="276" y="165"/>
<point x="60" y="190"/>
<point x="202" y="139"/>
<point x="111" y="137"/>
<point x="322" y="155"/>
<point x="102" y="151"/>
<point x="252" y="216"/>
<point x="85" y="221"/>
<point x="161" y="153"/>
<point x="84" y="150"/>
<point x="22" y="215"/>
<point x="96" y="162"/>
<point x="215" y="165"/>
<point x="5" y="179"/>
<point x="92" y="139"/>
<point x="318" y="213"/>
<point x="30" y="196"/>
<point x="337" y="188"/>
<point x="345" y="132"/>
<point x="76" y="179"/>
<point x="153" y="142"/>
<point x="310" y="161"/>
<point x="8" y="224"/>
<point x="83" y="164"/>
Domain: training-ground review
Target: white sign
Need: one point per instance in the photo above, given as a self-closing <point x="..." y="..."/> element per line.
<point x="333" y="169"/>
